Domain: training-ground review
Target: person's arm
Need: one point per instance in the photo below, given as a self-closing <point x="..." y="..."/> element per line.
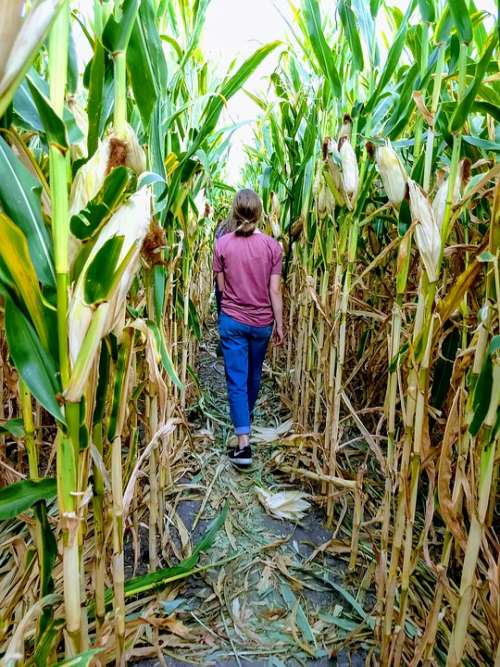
<point x="275" y="292"/>
<point x="219" y="276"/>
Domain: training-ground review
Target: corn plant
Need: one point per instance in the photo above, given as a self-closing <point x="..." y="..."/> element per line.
<point x="106" y="167"/>
<point x="381" y="156"/>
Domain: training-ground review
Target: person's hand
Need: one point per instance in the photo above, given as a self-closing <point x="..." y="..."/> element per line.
<point x="278" y="336"/>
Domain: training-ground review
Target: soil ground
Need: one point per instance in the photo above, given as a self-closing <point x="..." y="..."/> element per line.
<point x="282" y="599"/>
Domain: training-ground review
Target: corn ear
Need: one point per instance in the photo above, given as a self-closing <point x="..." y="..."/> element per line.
<point x="392" y="173"/>
<point x="132" y="221"/>
<point x="427" y="234"/>
<point x="350" y="172"/>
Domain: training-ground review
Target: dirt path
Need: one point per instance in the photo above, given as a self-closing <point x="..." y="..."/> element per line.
<point x="282" y="599"/>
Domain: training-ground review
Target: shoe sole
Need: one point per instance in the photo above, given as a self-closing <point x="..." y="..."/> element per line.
<point x="241" y="464"/>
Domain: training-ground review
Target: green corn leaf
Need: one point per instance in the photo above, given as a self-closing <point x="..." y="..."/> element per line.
<point x="483" y="144"/>
<point x="146" y="63"/>
<point x="20" y="199"/>
<point x="34" y="363"/>
<point x="393" y="57"/>
<point x="117" y="32"/>
<point x="229" y="88"/>
<point x="461" y="17"/>
<point x="82" y="660"/>
<point x="96" y="96"/>
<point x="14" y="252"/>
<point x="13" y="426"/>
<point x="46" y="643"/>
<point x="482" y="390"/>
<point x="53" y="125"/>
<point x="85" y="224"/>
<point x="26" y="111"/>
<point x="463" y="109"/>
<point x="322" y="51"/>
<point x="427" y="10"/>
<point x="159" y="280"/>
<point x="21" y="496"/>
<point x="159" y="578"/>
<point x="352" y="32"/>
<point x="165" y="357"/>
<point x="100" y="275"/>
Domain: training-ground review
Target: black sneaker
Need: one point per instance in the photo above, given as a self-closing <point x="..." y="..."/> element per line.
<point x="241" y="458"/>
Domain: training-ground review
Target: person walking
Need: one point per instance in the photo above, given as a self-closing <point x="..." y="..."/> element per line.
<point x="247" y="265"/>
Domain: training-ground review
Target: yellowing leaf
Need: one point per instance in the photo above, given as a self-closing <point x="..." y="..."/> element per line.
<point x="15" y="254"/>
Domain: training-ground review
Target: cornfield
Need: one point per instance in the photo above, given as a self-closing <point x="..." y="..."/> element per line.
<point x="375" y="154"/>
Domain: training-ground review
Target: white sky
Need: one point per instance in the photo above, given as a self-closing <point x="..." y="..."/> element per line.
<point x="238" y="28"/>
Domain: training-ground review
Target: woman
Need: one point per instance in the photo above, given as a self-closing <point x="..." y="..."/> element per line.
<point x="247" y="264"/>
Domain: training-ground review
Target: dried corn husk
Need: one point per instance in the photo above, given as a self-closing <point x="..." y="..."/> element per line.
<point x="131" y="220"/>
<point x="350" y="172"/>
<point x="283" y="505"/>
<point x="20" y="39"/>
<point x="391" y="172"/>
<point x="427" y="235"/>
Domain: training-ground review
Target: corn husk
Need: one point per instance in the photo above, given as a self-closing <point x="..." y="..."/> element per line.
<point x="392" y="173"/>
<point x="333" y="174"/>
<point x="132" y="221"/>
<point x="427" y="235"/>
<point x="439" y="203"/>
<point x="325" y="200"/>
<point x="11" y="12"/>
<point x="90" y="178"/>
<point x="290" y="505"/>
<point x="20" y="39"/>
<point x="350" y="172"/>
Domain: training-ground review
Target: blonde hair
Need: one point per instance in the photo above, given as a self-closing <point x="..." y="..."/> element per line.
<point x="246" y="212"/>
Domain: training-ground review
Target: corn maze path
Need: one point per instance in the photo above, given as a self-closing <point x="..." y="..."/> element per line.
<point x="285" y="598"/>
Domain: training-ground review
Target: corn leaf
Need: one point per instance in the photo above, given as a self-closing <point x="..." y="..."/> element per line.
<point x="84" y="224"/>
<point x="322" y="51"/>
<point x="20" y="199"/>
<point x="231" y="86"/>
<point x="96" y="96"/>
<point x="463" y="109"/>
<point x="461" y="17"/>
<point x="482" y="390"/>
<point x="146" y="62"/>
<point x="165" y="357"/>
<point x="21" y="496"/>
<point x="35" y="365"/>
<point x="100" y="278"/>
<point x="352" y="32"/>
<point x="13" y="426"/>
<point x="82" y="660"/>
<point x="159" y="578"/>
<point x="15" y="253"/>
<point x="53" y="125"/>
<point x="117" y="33"/>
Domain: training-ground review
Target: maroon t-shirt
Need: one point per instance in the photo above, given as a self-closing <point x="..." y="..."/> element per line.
<point x="248" y="263"/>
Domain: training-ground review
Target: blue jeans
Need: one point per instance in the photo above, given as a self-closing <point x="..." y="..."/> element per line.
<point x="244" y="348"/>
